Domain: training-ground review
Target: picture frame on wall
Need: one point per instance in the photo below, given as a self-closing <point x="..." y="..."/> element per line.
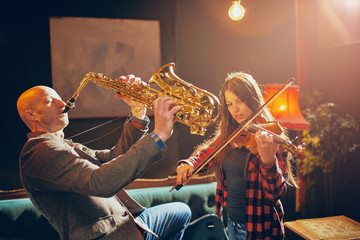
<point x="113" y="47"/>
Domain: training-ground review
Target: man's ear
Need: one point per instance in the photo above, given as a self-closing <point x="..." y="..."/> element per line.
<point x="29" y="114"/>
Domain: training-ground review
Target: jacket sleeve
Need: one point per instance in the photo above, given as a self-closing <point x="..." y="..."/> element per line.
<point x="48" y="164"/>
<point x="129" y="136"/>
<point x="197" y="159"/>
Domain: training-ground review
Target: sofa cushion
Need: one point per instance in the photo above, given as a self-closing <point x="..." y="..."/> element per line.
<point x="199" y="197"/>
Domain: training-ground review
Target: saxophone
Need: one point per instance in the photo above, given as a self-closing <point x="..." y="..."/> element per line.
<point x="200" y="108"/>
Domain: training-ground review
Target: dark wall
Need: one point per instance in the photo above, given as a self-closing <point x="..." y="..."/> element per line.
<point x="335" y="53"/>
<point x="335" y="71"/>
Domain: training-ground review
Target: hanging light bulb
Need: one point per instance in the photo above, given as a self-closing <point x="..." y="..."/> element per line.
<point x="236" y="11"/>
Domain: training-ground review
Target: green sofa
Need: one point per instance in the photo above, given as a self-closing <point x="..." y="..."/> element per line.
<point x="20" y="220"/>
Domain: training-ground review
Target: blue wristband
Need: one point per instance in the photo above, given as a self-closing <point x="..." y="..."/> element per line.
<point x="158" y="141"/>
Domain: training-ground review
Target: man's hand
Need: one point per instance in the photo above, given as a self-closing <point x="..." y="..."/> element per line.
<point x="137" y="109"/>
<point x="164" y="110"/>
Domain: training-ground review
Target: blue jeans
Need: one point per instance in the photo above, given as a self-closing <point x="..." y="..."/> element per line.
<point x="168" y="221"/>
<point x="236" y="231"/>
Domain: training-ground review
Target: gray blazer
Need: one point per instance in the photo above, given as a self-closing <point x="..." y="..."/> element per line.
<point x="74" y="186"/>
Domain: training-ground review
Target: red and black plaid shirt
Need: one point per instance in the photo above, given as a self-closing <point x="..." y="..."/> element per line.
<point x="265" y="187"/>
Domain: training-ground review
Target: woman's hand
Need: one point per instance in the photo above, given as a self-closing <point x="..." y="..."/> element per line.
<point x="184" y="171"/>
<point x="267" y="147"/>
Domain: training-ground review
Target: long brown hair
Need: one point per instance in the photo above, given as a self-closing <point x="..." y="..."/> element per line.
<point x="248" y="90"/>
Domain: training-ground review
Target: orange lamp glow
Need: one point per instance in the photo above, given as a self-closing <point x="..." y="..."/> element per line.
<point x="285" y="107"/>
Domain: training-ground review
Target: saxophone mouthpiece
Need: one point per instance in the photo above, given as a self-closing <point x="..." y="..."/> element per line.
<point x="70" y="104"/>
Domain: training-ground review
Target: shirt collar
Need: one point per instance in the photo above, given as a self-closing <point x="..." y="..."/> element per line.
<point x="38" y="133"/>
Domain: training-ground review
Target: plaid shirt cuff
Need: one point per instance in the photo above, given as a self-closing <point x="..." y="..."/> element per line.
<point x="139" y="123"/>
<point x="187" y="161"/>
<point x="274" y="169"/>
<point x="158" y="141"/>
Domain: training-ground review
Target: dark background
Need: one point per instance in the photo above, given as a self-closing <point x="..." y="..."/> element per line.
<point x="314" y="41"/>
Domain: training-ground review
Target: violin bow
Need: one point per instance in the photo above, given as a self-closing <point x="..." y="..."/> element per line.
<point x="243" y="126"/>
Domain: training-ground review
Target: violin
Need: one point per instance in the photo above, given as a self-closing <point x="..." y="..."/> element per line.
<point x="245" y="135"/>
<point x="246" y="138"/>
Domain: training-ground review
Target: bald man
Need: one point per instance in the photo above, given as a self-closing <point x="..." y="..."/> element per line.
<point x="80" y="190"/>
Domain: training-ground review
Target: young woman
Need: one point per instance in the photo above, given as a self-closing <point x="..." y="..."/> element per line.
<point x="250" y="185"/>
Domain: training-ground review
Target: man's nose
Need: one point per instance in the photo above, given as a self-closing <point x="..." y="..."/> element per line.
<point x="61" y="103"/>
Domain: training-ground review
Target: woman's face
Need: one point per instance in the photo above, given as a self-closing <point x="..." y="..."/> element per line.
<point x="238" y="109"/>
